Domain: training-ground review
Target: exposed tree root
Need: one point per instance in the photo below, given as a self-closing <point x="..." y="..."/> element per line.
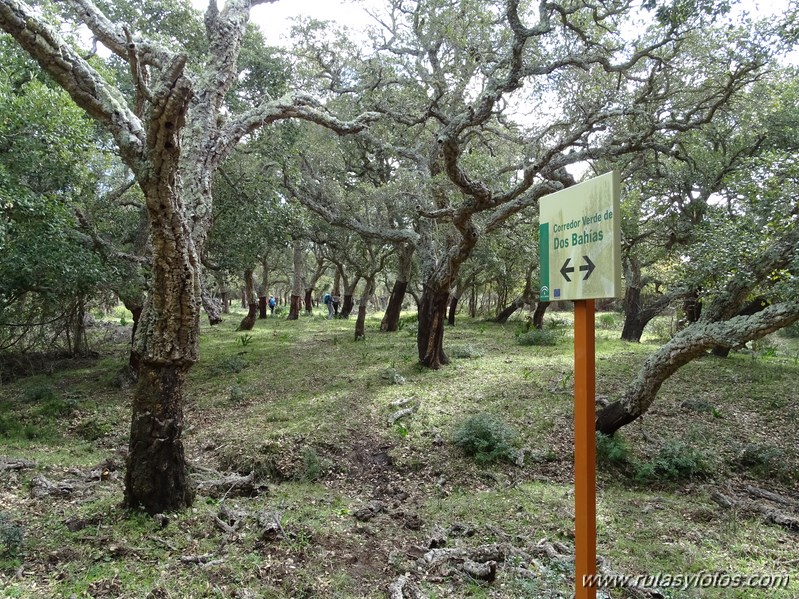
<point x="770" y="515"/>
<point x="399" y="414"/>
<point x="404" y="588"/>
<point x="7" y="463"/>
<point x="217" y="485"/>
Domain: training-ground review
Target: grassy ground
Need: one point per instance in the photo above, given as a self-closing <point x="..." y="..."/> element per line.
<point x="343" y="502"/>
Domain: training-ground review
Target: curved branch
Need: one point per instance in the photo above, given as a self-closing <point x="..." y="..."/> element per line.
<point x="686" y="346"/>
<point x="114" y="37"/>
<point x="312" y="199"/>
<point x="86" y="87"/>
<point x="290" y="106"/>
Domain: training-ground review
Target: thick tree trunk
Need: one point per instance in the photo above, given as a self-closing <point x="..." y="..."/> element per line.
<point x="752" y="307"/>
<point x="346" y="306"/>
<point x="225" y="302"/>
<point x="430" y="338"/>
<point x="633" y="325"/>
<point x="538" y="314"/>
<point x="261" y="307"/>
<point x="79" y="345"/>
<point x="298" y="282"/>
<point x="294" y="307"/>
<point x="134" y="358"/>
<point x="684" y="347"/>
<point x="368" y="291"/>
<point x="360" y="323"/>
<point x="507" y="312"/>
<point x="309" y="301"/>
<point x="692" y="308"/>
<point x="390" y="322"/>
<point x="224" y="292"/>
<point x="473" y="301"/>
<point x="248" y="322"/>
<point x="211" y="306"/>
<point x="453" y="308"/>
<point x="156" y="478"/>
<point x="637" y="314"/>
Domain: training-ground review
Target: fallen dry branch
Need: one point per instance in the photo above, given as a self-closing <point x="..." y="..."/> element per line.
<point x="770" y="516"/>
<point x="399" y="414"/>
<point x="270" y="526"/>
<point x="480" y="570"/>
<point x="404" y="588"/>
<point x="43" y="487"/>
<point x="398" y="403"/>
<point x="475" y="562"/>
<point x="759" y="493"/>
<point x="161" y="541"/>
<point x="217" y="485"/>
<point x="7" y="463"/>
<point x="230" y="519"/>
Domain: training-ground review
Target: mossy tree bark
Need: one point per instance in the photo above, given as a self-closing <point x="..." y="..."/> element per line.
<point x="391" y="318"/>
<point x="430" y="336"/>
<point x="169" y="134"/>
<point x="298" y="281"/>
<point x="360" y="322"/>
<point x="248" y="322"/>
<point x="687" y="345"/>
<point x="720" y="325"/>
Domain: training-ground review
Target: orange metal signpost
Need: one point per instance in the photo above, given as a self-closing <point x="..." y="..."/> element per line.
<point x="581" y="261"/>
<point x="584" y="449"/>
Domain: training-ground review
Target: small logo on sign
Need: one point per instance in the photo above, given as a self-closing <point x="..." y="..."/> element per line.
<point x="557" y="292"/>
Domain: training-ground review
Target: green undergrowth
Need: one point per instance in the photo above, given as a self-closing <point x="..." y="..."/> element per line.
<point x="477" y="452"/>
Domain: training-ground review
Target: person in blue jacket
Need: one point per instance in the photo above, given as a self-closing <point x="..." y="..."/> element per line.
<point x="328" y="300"/>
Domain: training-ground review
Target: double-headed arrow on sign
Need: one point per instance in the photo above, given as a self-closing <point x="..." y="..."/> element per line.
<point x="588" y="267"/>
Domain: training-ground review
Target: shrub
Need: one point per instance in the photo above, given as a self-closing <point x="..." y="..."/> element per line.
<point x="313" y="465"/>
<point x="58" y="408"/>
<point x="540" y="337"/>
<point x="10" y="426"/>
<point x="466" y="351"/>
<point x="393" y="377"/>
<point x="39" y="392"/>
<point x="611" y="450"/>
<point x="236" y="394"/>
<point x="11" y="535"/>
<point x="486" y="438"/>
<point x="232" y="364"/>
<point x="91" y="430"/>
<point x="765" y="461"/>
<point x="607" y="320"/>
<point x="675" y="461"/>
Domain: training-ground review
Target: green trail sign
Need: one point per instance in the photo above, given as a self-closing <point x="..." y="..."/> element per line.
<point x="580" y="241"/>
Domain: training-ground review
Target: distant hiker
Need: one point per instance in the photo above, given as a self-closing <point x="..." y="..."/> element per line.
<point x="272" y="304"/>
<point x="335" y="301"/>
<point x="328" y="300"/>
